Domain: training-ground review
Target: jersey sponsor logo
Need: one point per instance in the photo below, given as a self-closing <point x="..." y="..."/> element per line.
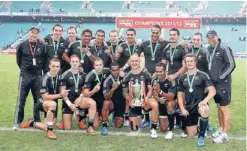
<point x="61" y="44"/>
<point x="165" y="85"/>
<point x="70" y="77"/>
<point x="217" y="54"/>
<point x="199" y="57"/>
<point x="38" y="49"/>
<point x="196" y="77"/>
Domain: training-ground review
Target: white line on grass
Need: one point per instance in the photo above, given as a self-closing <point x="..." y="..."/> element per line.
<point x="109" y="133"/>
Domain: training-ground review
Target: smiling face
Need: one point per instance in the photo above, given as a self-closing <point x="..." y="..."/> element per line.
<point x="135" y="62"/>
<point x="197" y="41"/>
<point x="131" y="36"/>
<point x="113" y="37"/>
<point x="98" y="66"/>
<point x="190" y="62"/>
<point x="173" y="36"/>
<point x="86" y="37"/>
<point x="74" y="62"/>
<point x="72" y="33"/>
<point x="212" y="40"/>
<point x="54" y="67"/>
<point x="100" y="37"/>
<point x="160" y="72"/>
<point x="155" y="34"/>
<point x="57" y="32"/>
<point x="33" y="35"/>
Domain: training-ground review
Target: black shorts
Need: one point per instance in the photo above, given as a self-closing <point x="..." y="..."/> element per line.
<point x="39" y="106"/>
<point x="119" y="107"/>
<point x="66" y="110"/>
<point x="162" y="111"/>
<point x="136" y="111"/>
<point x="99" y="103"/>
<point x="223" y="94"/>
<point x="193" y="117"/>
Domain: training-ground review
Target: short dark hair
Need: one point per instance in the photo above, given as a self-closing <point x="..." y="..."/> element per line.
<point x="113" y="31"/>
<point x="72" y="27"/>
<point x="55" y="59"/>
<point x="160" y="64"/>
<point x="100" y="31"/>
<point x="175" y="29"/>
<point x="198" y="34"/>
<point x="86" y="31"/>
<point x="131" y="29"/>
<point x="57" y="25"/>
<point x="190" y="55"/>
<point x="114" y="64"/>
<point x="156" y="26"/>
<point x="74" y="56"/>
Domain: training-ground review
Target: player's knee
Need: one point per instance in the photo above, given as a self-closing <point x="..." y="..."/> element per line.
<point x="52" y="105"/>
<point x="106" y="104"/>
<point x="191" y="133"/>
<point x="154" y="105"/>
<point x="92" y="103"/>
<point x="204" y="111"/>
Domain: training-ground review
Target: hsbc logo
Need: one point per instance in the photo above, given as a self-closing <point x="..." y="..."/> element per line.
<point x="126" y="22"/>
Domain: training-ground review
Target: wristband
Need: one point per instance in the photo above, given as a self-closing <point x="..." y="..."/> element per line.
<point x="174" y="76"/>
<point x="89" y="54"/>
<point x="68" y="103"/>
<point x="125" y="66"/>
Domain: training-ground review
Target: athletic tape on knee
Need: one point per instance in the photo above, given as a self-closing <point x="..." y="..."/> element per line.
<point x="162" y="116"/>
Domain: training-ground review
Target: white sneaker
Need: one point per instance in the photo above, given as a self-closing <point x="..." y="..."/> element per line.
<point x="169" y="135"/>
<point x="126" y="123"/>
<point x="16" y="127"/>
<point x="153" y="133"/>
<point x="222" y="138"/>
<point x="217" y="133"/>
<point x="206" y="134"/>
<point x="183" y="135"/>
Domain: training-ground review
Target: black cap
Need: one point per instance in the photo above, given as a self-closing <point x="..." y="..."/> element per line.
<point x="34" y="28"/>
<point x="211" y="33"/>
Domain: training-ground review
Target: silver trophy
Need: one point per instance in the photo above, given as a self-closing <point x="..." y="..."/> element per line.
<point x="137" y="94"/>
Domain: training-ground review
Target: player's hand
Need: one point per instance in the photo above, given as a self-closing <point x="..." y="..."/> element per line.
<point x="184" y="44"/>
<point x="115" y="86"/>
<point x="121" y="73"/>
<point x="184" y="112"/>
<point x="120" y="50"/>
<point x="156" y="87"/>
<point x="171" y="77"/>
<point x="108" y="52"/>
<point x="73" y="107"/>
<point x="64" y="93"/>
<point x="162" y="100"/>
<point x="41" y="40"/>
<point x="96" y="88"/>
<point x="85" y="49"/>
<point x="203" y="103"/>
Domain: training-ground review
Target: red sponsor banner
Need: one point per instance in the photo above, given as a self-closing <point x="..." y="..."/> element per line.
<point x="148" y="22"/>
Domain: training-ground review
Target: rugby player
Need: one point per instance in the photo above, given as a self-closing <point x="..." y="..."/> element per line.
<point x="191" y="98"/>
<point x="73" y="80"/>
<point x="114" y="99"/>
<point x="137" y="90"/>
